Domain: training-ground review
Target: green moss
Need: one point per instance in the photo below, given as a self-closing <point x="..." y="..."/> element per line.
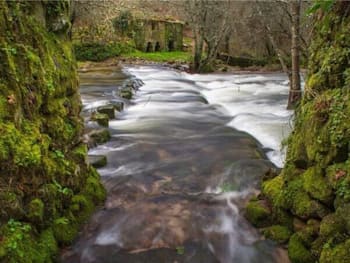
<point x="64" y="230"/>
<point x="258" y="213"/>
<point x="36" y="211"/>
<point x="330" y="225"/>
<point x="125" y="93"/>
<point x="81" y="207"/>
<point x="43" y="167"/>
<point x="297" y="251"/>
<point x="99" y="52"/>
<point x="101" y="118"/>
<point x="337" y="254"/>
<point x="101" y="136"/>
<point x="316" y="185"/>
<point x="11" y="205"/>
<point x="175" y="56"/>
<point x="272" y="189"/>
<point x="343" y="213"/>
<point x="93" y="187"/>
<point x="278" y="233"/>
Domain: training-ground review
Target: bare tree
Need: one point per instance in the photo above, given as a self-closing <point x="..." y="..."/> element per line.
<point x="290" y="27"/>
<point x="210" y="23"/>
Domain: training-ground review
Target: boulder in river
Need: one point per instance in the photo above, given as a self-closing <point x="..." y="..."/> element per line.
<point x="118" y="105"/>
<point x="101" y="118"/>
<point x="97" y="161"/>
<point x="108" y="110"/>
<point x="97" y="137"/>
<point x="125" y="93"/>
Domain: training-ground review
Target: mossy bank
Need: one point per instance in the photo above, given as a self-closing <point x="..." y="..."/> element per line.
<point x="47" y="189"/>
<point x="308" y="204"/>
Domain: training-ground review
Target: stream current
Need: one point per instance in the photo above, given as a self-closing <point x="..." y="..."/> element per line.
<point x="186" y="154"/>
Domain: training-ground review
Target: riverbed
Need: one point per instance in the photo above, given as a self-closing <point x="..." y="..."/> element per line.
<point x="186" y="154"/>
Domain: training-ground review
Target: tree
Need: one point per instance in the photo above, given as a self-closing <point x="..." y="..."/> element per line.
<point x="210" y="23"/>
<point x="291" y="27"/>
<point x="295" y="88"/>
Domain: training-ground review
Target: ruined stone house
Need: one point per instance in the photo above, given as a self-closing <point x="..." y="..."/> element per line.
<point x="152" y="35"/>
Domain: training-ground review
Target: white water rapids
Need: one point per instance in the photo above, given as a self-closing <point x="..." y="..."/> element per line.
<point x="256" y="102"/>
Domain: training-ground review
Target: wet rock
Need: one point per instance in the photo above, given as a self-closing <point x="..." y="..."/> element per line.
<point x="101" y="118"/>
<point x="108" y="110"/>
<point x="133" y="84"/>
<point x="97" y="161"/>
<point x="118" y="105"/>
<point x="96" y="137"/>
<point x="125" y="93"/>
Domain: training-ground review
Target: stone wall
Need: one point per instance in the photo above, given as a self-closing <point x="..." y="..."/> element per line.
<point x="47" y="189"/>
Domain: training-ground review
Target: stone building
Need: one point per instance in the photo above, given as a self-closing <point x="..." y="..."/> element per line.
<point x="151" y="35"/>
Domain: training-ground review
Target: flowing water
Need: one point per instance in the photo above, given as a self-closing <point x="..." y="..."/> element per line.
<point x="179" y="170"/>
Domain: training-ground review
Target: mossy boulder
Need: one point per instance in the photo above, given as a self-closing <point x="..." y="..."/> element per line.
<point x="101" y="118"/>
<point x="97" y="161"/>
<point x="258" y="213"/>
<point x="126" y="93"/>
<point x="109" y="110"/>
<point x="99" y="136"/>
<point x="64" y="230"/>
<point x="36" y="211"/>
<point x="298" y="252"/>
<point x="317" y="186"/>
<point x="337" y="254"/>
<point x="278" y="233"/>
<point x="331" y="225"/>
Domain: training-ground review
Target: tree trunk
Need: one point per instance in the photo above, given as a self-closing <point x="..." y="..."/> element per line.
<point x="295" y="89"/>
<point x="198" y="49"/>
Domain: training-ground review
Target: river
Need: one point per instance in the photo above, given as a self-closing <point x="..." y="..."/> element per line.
<point x="186" y="154"/>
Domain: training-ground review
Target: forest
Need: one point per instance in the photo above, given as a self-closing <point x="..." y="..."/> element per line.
<point x="163" y="131"/>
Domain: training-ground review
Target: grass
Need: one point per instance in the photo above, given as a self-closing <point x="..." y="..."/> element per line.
<point x="163" y="56"/>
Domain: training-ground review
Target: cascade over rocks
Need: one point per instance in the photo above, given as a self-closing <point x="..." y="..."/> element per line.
<point x="311" y="196"/>
<point x="47" y="189"/>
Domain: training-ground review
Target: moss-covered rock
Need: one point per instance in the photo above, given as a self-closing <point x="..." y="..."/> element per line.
<point x="64" y="230"/>
<point x="108" y="110"/>
<point x="258" y="213"/>
<point x="337" y="254"/>
<point x="280" y="234"/>
<point x="101" y="118"/>
<point x="317" y="186"/>
<point x="99" y="136"/>
<point x="36" y="211"/>
<point x="330" y="225"/>
<point x="297" y="251"/>
<point x="314" y="185"/>
<point x="44" y="175"/>
<point x="97" y="161"/>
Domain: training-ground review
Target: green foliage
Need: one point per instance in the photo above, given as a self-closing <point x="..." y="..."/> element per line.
<point x="123" y="22"/>
<point x="100" y="51"/>
<point x="343" y="189"/>
<point x="17" y="231"/>
<point x="163" y="56"/>
<point x="180" y="250"/>
<point x="324" y="5"/>
<point x="61" y="189"/>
